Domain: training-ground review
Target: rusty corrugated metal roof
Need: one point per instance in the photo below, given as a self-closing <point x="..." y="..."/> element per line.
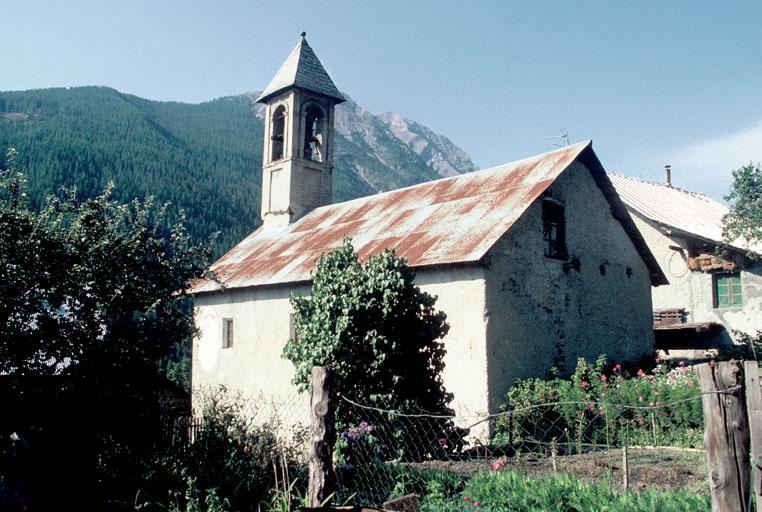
<point x="693" y="213"/>
<point x="451" y="220"/>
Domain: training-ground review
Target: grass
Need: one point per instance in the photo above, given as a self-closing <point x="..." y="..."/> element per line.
<point x="511" y="491"/>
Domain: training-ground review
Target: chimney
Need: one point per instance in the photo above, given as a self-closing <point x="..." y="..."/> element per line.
<point x="667" y="175"/>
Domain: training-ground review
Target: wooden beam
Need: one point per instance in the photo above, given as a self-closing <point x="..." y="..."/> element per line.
<point x="322" y="483"/>
<point x="726" y="434"/>
<point x="754" y="408"/>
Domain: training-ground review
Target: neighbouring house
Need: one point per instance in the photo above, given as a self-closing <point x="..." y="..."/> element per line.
<point x="535" y="262"/>
<point x="707" y="298"/>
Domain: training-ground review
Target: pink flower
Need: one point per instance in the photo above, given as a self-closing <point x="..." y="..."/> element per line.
<point x="591" y="406"/>
<point x="477" y="503"/>
<point x="641" y="373"/>
<point x="498" y="464"/>
<point x="617" y="367"/>
<point x="603" y="413"/>
<point x="659" y="359"/>
<point x="466" y="498"/>
<point x="690" y="383"/>
<point x="584" y="384"/>
<point x="603" y="378"/>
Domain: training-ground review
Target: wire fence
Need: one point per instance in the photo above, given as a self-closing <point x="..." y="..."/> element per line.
<point x="388" y="454"/>
<point x="235" y="430"/>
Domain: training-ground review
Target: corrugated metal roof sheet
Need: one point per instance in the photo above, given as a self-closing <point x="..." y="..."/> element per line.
<point x="451" y="220"/>
<point x="691" y="212"/>
<point x="302" y="69"/>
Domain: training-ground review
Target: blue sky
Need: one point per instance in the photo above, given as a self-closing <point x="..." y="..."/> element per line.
<point x="650" y="82"/>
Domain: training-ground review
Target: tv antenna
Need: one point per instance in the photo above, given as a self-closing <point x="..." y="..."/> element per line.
<point x="562" y="137"/>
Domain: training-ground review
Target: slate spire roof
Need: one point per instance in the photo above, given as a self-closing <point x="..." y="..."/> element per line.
<point x="302" y="69"/>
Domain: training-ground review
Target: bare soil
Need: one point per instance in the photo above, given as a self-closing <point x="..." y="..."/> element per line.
<point x="649" y="468"/>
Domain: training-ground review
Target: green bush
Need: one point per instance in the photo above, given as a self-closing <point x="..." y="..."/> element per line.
<point x="231" y="461"/>
<point x="383" y="337"/>
<point x="602" y="405"/>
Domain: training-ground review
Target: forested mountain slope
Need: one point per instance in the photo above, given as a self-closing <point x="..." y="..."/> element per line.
<point x="204" y="158"/>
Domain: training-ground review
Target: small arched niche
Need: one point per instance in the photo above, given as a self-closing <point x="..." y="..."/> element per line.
<point x="278" y="131"/>
<point x="314" y="127"/>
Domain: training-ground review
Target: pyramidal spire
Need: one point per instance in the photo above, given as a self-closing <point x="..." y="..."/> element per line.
<point x="302" y="69"/>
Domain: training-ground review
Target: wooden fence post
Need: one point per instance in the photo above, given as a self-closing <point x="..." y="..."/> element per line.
<point x="322" y="482"/>
<point x="625" y="470"/>
<point x="726" y="435"/>
<point x="754" y="407"/>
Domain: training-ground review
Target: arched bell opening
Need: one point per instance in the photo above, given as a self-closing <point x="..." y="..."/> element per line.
<point x="277" y="134"/>
<point x="314" y="133"/>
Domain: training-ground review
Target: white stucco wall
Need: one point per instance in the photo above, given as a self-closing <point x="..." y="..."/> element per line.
<point x="541" y="314"/>
<point x="693" y="290"/>
<point x="461" y="295"/>
<point x="254" y="366"/>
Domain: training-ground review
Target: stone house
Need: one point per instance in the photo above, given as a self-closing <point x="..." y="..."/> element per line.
<point x="535" y="262"/>
<point x="706" y="299"/>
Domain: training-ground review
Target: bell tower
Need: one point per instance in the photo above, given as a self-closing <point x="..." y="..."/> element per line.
<point x="297" y="162"/>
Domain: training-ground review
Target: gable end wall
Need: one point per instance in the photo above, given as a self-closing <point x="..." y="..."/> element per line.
<point x="541" y="315"/>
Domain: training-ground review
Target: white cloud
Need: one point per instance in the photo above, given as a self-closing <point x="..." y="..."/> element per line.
<point x="707" y="165"/>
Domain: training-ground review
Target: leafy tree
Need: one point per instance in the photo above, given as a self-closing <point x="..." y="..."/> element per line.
<point x="91" y="296"/>
<point x="744" y="221"/>
<point x="745" y="217"/>
<point x="376" y="328"/>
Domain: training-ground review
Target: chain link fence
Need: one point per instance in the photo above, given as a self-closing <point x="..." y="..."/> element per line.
<point x="387" y="454"/>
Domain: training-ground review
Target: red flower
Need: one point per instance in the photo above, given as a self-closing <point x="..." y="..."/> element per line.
<point x="583" y="384"/>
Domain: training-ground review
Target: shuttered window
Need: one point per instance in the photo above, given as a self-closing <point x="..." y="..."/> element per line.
<point x="727" y="290"/>
<point x="227" y="332"/>
<point x="553" y="229"/>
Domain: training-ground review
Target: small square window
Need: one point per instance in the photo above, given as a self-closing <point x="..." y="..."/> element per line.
<point x="291" y="327"/>
<point x="227" y="332"/>
<point x="727" y="290"/>
<point x="553" y="229"/>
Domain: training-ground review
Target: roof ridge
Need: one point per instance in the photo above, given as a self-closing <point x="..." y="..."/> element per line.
<point x="582" y="144"/>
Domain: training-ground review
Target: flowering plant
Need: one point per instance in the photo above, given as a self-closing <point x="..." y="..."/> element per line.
<point x="356" y="434"/>
<point x="606" y="404"/>
<point x="357" y="443"/>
